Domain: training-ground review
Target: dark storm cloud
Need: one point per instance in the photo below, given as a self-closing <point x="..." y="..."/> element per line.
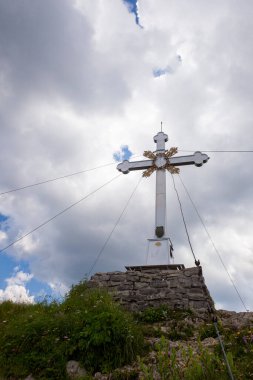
<point x="46" y="50"/>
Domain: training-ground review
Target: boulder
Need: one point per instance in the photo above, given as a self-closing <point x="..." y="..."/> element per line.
<point x="74" y="369"/>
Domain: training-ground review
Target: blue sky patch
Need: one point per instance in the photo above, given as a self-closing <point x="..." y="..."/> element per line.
<point x="6" y="269"/>
<point x="132" y="8"/>
<point x="171" y="68"/>
<point x="159" y="72"/>
<point x="40" y="290"/>
<point x="3" y="222"/>
<point x="123" y="154"/>
<point x="3" y="218"/>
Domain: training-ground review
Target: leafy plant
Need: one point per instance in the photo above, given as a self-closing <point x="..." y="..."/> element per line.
<point x="184" y="364"/>
<point x="239" y="345"/>
<point x="208" y="331"/>
<point x="161" y="313"/>
<point x="88" y="326"/>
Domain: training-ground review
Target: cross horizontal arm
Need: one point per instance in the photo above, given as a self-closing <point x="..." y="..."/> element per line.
<point x="197" y="159"/>
<point x="126" y="166"/>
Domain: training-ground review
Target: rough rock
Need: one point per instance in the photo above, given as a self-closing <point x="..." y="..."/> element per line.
<point x="74" y="370"/>
<point x="236" y="321"/>
<point x="100" y="376"/>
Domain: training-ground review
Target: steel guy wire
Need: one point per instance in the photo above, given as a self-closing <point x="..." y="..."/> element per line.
<point x="59" y="213"/>
<point x="217" y="151"/>
<point x="55" y="179"/>
<point x="212" y="242"/>
<point x="185" y="226"/>
<point x="113" y="229"/>
<point x="223" y="350"/>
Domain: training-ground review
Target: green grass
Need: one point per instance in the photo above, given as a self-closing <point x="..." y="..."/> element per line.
<point x="88" y="326"/>
<point x="161" y="313"/>
<point x="199" y="365"/>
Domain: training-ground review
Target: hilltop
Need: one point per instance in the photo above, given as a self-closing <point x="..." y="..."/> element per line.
<point x="89" y="335"/>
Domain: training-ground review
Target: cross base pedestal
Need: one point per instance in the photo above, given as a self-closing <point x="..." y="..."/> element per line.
<point x="158" y="251"/>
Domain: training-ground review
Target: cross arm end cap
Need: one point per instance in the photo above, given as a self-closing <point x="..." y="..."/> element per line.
<point x="124" y="167"/>
<point x="200" y="158"/>
<point x="161" y="137"/>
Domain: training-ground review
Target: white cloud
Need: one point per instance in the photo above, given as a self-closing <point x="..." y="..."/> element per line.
<point x="16" y="290"/>
<point x="58" y="289"/>
<point x="3" y="236"/>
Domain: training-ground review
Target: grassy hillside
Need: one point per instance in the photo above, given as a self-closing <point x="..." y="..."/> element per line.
<point x="90" y="328"/>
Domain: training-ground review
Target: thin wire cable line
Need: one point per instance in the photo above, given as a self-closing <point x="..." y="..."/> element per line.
<point x="58" y="214"/>
<point x="218" y="151"/>
<point x="182" y="213"/>
<point x="54" y="179"/>
<point x="223" y="351"/>
<point x="212" y="242"/>
<point x="114" y="227"/>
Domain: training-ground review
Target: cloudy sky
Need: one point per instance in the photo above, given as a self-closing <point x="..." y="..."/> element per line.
<point x="84" y="83"/>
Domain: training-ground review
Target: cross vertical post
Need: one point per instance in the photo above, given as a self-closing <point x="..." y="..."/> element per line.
<point x="160" y="207"/>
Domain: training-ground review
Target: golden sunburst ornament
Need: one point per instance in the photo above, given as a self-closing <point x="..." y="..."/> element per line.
<point x="164" y="162"/>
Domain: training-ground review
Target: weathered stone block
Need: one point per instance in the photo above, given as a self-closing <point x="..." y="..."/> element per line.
<point x="144" y="275"/>
<point x="144" y="280"/>
<point x="196" y="290"/>
<point x="114" y="283"/>
<point x="101" y="277"/>
<point x="196" y="297"/>
<point x="158" y="284"/>
<point x="196" y="284"/>
<point x="140" y="285"/>
<point x="118" y="277"/>
<point x="147" y="291"/>
<point x="123" y="293"/>
<point x="191" y="271"/>
<point x="185" y="282"/>
<point x="125" y="286"/>
<point x="133" y="278"/>
<point x="173" y="283"/>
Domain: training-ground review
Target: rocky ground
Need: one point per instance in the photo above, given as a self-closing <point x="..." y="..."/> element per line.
<point x="228" y="319"/>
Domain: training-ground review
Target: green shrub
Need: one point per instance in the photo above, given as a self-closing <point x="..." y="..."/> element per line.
<point x="239" y="345"/>
<point x="107" y="337"/>
<point x="88" y="326"/>
<point x="161" y="313"/>
<point x="208" y="331"/>
<point x="130" y="374"/>
<point x="180" y="330"/>
<point x="33" y="341"/>
<point x="183" y="364"/>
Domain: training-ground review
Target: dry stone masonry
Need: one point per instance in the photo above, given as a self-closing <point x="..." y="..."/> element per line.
<point x="142" y="287"/>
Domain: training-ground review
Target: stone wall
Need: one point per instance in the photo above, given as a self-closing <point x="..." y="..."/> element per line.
<point x="139" y="289"/>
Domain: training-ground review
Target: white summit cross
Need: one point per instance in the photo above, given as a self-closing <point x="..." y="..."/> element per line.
<point x="160" y="161"/>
